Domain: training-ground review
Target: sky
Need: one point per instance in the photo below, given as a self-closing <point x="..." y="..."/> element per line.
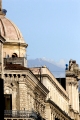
<point x="51" y="28"/>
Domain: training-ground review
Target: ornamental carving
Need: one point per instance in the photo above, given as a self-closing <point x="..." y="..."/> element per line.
<point x="7" y="90"/>
<point x="73" y="67"/>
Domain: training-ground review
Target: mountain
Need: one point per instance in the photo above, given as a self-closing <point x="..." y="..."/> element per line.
<point x="56" y="70"/>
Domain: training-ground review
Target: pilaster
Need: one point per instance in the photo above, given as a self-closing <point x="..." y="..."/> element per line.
<point x="22" y="93"/>
<point x="71" y="86"/>
<point x="48" y="111"/>
<point x="14" y="105"/>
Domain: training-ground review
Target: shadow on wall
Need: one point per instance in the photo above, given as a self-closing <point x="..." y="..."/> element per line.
<point x="79" y="85"/>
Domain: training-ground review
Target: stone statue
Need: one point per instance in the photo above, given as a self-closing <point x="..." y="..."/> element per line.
<point x="70" y="65"/>
<point x="73" y="67"/>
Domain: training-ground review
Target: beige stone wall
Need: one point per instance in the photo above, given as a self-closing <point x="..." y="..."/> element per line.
<point x="17" y="97"/>
<point x="72" y="77"/>
<point x="10" y="49"/>
<point x="27" y="94"/>
<point x="11" y="87"/>
<point x="56" y="95"/>
<point x="35" y="97"/>
<point x="72" y="90"/>
<point x="56" y="92"/>
<point x="0" y="57"/>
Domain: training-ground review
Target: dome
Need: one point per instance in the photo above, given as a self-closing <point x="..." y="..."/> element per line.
<point x="14" y="44"/>
<point x="10" y="31"/>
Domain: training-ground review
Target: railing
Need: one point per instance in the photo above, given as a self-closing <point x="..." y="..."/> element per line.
<point x="20" y="114"/>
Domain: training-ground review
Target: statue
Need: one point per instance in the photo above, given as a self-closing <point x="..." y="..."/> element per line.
<point x="73" y="67"/>
<point x="70" y="65"/>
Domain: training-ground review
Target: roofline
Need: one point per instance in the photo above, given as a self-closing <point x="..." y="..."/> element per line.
<point x="57" y="107"/>
<point x="25" y="73"/>
<point x="63" y="92"/>
<point x="16" y="43"/>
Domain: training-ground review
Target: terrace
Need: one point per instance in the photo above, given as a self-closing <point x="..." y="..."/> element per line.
<point x="21" y="115"/>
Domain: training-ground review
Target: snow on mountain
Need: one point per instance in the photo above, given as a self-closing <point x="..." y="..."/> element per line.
<point x="56" y="69"/>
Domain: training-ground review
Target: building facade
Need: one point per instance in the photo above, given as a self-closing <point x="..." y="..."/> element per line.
<point x="33" y="93"/>
<point x="2" y="40"/>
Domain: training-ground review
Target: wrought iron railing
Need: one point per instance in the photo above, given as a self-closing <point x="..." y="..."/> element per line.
<point x="20" y="114"/>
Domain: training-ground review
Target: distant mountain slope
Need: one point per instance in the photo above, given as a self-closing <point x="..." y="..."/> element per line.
<point x="55" y="70"/>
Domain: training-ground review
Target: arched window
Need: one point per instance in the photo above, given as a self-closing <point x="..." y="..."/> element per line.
<point x="14" y="55"/>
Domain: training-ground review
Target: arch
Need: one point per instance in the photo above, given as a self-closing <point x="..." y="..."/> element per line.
<point x="56" y="119"/>
<point x="14" y="55"/>
<point x="8" y="89"/>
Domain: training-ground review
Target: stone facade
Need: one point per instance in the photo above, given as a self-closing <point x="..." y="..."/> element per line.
<point x="27" y="92"/>
<point x="2" y="40"/>
<point x="72" y="78"/>
<point x="33" y="93"/>
<point x="67" y="100"/>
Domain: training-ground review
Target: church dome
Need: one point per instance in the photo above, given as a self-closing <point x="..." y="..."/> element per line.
<point x="10" y="31"/>
<point x="14" y="44"/>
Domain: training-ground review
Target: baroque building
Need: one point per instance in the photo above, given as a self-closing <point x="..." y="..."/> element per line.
<point x="33" y="93"/>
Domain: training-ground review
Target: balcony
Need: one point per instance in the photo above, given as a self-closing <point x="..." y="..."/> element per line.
<point x="20" y="115"/>
<point x="15" y="60"/>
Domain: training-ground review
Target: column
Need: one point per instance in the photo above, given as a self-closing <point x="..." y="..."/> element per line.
<point x="70" y="93"/>
<point x="52" y="116"/>
<point x="2" y="61"/>
<point x="77" y="99"/>
<point x="22" y="93"/>
<point x="73" y="93"/>
<point x="14" y="99"/>
<point x="14" y="106"/>
<point x="48" y="112"/>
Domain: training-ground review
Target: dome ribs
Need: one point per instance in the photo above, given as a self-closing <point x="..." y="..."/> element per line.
<point x="4" y="28"/>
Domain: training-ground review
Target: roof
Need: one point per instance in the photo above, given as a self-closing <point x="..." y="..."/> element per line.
<point x="2" y="39"/>
<point x="10" y="31"/>
<point x="15" y="67"/>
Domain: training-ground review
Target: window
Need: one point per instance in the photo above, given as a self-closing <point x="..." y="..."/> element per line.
<point x="14" y="55"/>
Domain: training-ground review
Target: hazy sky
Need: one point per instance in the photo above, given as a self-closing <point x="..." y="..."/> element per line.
<point x="51" y="28"/>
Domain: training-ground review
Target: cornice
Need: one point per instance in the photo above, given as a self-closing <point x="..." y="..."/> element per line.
<point x="61" y="91"/>
<point x="58" y="108"/>
<point x="36" y="80"/>
<point x="32" y="78"/>
<point x="16" y="43"/>
<point x="71" y="74"/>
